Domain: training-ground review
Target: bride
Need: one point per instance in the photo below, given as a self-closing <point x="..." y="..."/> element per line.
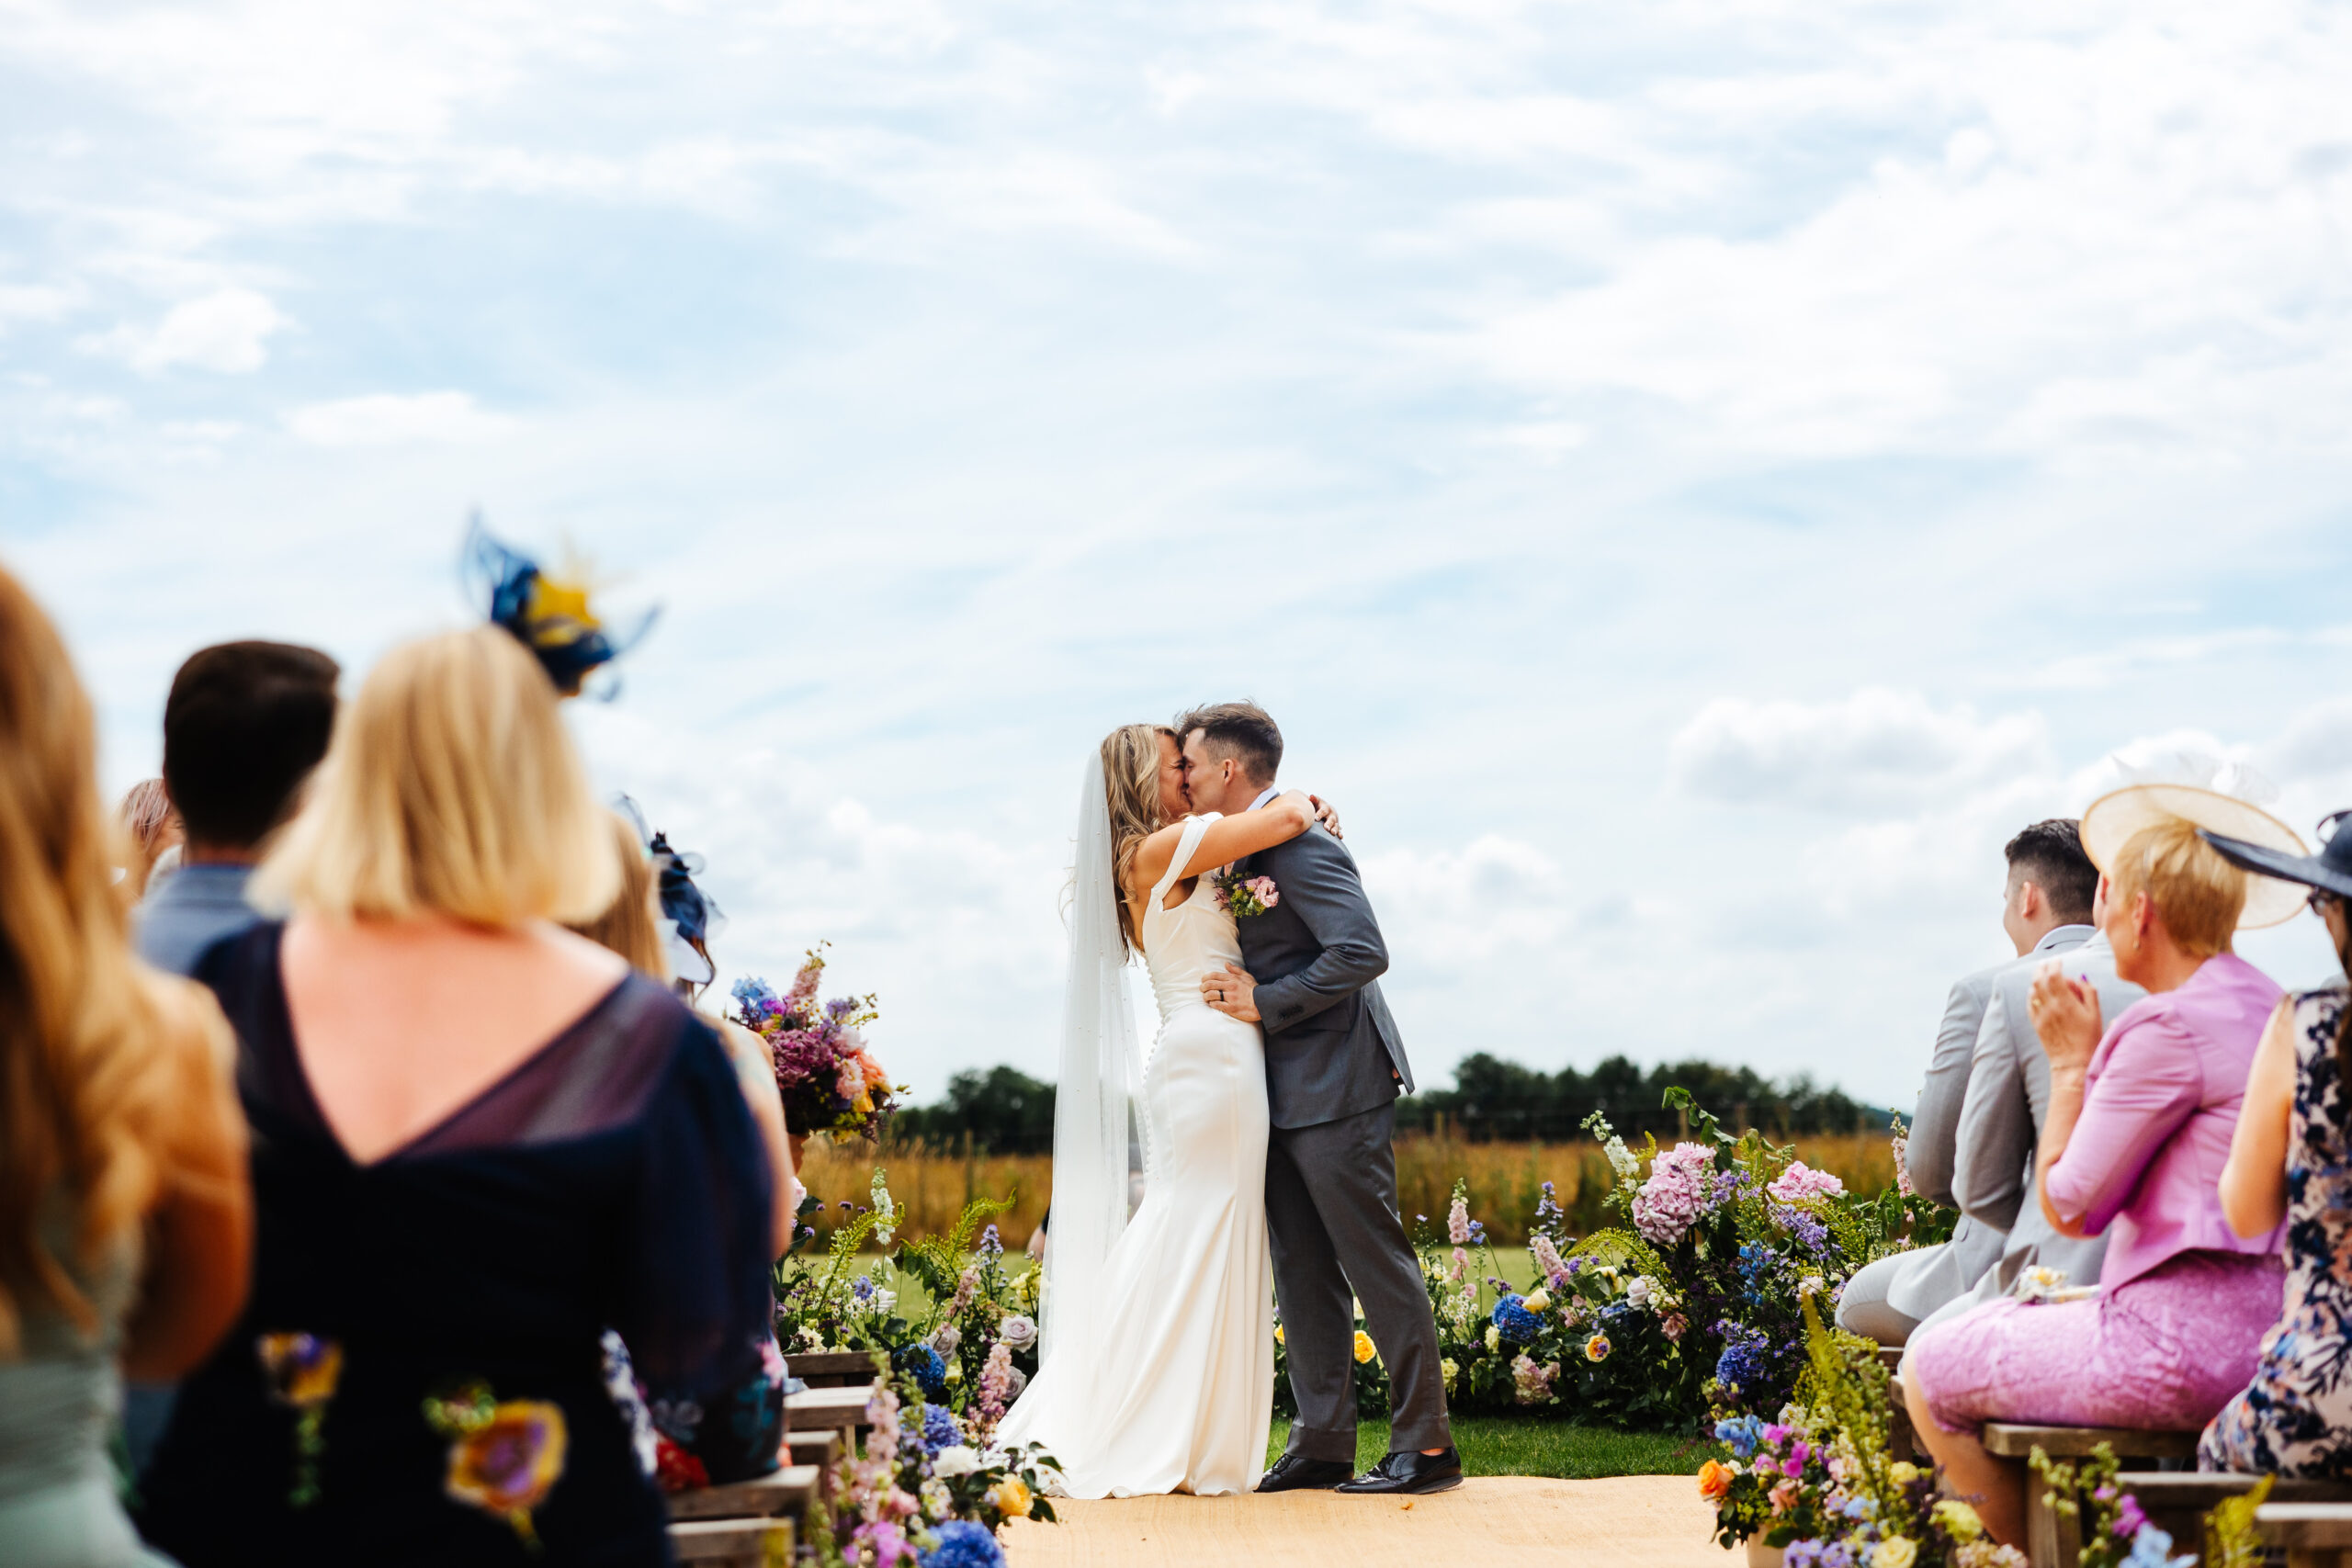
<point x="1157" y="1369"/>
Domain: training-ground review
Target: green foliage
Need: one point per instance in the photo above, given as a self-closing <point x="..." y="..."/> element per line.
<point x="2230" y="1538"/>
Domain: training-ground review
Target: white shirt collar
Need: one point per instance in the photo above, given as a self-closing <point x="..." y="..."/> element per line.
<point x="1266" y="795"/>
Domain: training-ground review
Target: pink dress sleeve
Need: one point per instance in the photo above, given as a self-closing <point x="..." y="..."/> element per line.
<point x="2144" y="1083"/>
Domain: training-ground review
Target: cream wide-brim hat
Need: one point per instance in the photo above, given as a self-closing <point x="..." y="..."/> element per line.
<point x="2110" y="821"/>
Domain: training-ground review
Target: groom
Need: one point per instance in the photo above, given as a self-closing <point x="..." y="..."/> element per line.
<point x="1334" y="1063"/>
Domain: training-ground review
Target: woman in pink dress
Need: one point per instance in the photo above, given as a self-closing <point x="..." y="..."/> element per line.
<point x="2133" y="1146"/>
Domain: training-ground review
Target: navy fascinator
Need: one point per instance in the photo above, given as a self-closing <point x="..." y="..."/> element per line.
<point x="694" y="916"/>
<point x="549" y="617"/>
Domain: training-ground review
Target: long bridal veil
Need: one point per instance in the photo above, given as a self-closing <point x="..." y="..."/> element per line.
<point x="1098" y="1066"/>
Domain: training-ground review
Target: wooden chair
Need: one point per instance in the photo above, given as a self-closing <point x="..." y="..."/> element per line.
<point x="2054" y="1539"/>
<point x="817" y="1449"/>
<point x="733" y="1543"/>
<point x="743" y="1524"/>
<point x="1901" y="1440"/>
<point x="2315" y="1535"/>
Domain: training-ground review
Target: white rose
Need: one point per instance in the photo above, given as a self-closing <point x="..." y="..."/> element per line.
<point x="1018" y="1331"/>
<point x="959" y="1458"/>
<point x="1638" y="1292"/>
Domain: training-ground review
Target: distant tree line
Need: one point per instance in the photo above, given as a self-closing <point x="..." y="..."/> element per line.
<point x="1493" y="1100"/>
<point x="1004" y="1110"/>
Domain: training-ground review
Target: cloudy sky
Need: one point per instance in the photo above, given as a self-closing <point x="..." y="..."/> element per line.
<point x="1691" y="478"/>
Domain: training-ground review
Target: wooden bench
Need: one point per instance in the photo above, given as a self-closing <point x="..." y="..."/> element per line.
<point x="841" y="1409"/>
<point x="2314" y="1535"/>
<point x="788" y="1493"/>
<point x="2177" y="1501"/>
<point x="1901" y="1440"/>
<point x="817" y="1449"/>
<point x="831" y="1369"/>
<point x="2053" y="1540"/>
<point x="733" y="1543"/>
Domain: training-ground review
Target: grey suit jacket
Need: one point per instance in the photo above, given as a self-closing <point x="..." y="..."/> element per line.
<point x="1939" y="1274"/>
<point x="1331" y="1048"/>
<point x="2000" y="1125"/>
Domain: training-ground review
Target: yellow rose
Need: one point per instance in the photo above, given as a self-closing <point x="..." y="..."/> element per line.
<point x="1959" y="1521"/>
<point x="1450" y="1372"/>
<point x="1903" y="1473"/>
<point x="1365" y="1350"/>
<point x="1895" y="1551"/>
<point x="1013" y="1498"/>
<point x="1494" y="1337"/>
<point x="1278" y="1334"/>
<point x="1539" y="1302"/>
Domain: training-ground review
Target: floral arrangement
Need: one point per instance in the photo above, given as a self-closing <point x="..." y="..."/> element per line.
<point x="928" y="1491"/>
<point x="832" y="1086"/>
<point x="1246" y="896"/>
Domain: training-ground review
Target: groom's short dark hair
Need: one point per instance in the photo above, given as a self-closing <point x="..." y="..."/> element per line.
<point x="1242" y="730"/>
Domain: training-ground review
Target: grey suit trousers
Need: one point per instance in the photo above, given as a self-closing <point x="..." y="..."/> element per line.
<point x="1331" y="1194"/>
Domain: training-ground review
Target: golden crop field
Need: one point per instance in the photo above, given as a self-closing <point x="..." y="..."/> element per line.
<point x="1504" y="1181"/>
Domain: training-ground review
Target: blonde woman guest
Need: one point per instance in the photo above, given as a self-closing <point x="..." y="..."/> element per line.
<point x="2139" y="1124"/>
<point x="125" y="1221"/>
<point x="481" y="1141"/>
<point x="153" y="829"/>
<point x="2292" y="1162"/>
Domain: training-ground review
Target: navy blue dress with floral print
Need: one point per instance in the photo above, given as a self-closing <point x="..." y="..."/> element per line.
<point x="2295" y="1418"/>
<point x="420" y="1372"/>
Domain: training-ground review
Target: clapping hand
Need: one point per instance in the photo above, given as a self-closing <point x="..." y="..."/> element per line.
<point x="1232" y="991"/>
<point x="2067" y="1016"/>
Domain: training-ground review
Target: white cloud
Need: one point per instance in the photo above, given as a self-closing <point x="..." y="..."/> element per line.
<point x="226" y="331"/>
<point x="397" y="419"/>
<point x="1873" y="747"/>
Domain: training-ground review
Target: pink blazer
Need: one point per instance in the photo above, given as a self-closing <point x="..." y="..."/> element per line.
<point x="2160" y="1102"/>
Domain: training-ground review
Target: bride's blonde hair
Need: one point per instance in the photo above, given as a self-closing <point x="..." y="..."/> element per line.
<point x="1131" y="788"/>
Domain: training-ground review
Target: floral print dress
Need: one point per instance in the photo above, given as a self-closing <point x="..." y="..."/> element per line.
<point x="2295" y="1419"/>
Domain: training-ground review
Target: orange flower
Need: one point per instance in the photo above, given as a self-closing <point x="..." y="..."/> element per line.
<point x="1714" y="1480"/>
<point x="509" y="1463"/>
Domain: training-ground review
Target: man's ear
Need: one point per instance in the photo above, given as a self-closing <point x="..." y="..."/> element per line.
<point x="2029" y="900"/>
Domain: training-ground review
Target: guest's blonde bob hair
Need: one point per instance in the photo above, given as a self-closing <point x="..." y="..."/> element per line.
<point x="450" y="788"/>
<point x="2198" y="894"/>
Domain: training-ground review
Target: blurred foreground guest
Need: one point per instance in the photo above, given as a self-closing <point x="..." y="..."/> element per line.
<point x="125" y="1223"/>
<point x="2140" y="1121"/>
<point x="2045" y="910"/>
<point x="481" y="1141"/>
<point x="154" y="831"/>
<point x="243" y="726"/>
<point x="697" y="1451"/>
<point x="2291" y="1160"/>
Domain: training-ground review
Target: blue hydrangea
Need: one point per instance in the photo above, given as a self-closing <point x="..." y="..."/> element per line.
<point x="1518" y="1324"/>
<point x="1805" y="1228"/>
<point x="922" y="1362"/>
<point x="939" y="1429"/>
<point x="1741" y="1433"/>
<point x="1743" y="1361"/>
<point x="961" y="1544"/>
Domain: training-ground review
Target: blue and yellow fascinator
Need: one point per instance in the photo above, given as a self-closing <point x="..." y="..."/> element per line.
<point x="549" y="617"/>
<point x="692" y="914"/>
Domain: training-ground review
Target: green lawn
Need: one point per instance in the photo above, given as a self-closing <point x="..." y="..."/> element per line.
<point x="1514" y="1445"/>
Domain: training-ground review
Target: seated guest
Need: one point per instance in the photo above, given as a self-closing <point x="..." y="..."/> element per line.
<point x="154" y="831"/>
<point x="125" y="1219"/>
<point x="243" y="726"/>
<point x="2000" y="1126"/>
<point x="2291" y="1160"/>
<point x="2045" y="910"/>
<point x="2138" y="1124"/>
<point x="481" y="1141"/>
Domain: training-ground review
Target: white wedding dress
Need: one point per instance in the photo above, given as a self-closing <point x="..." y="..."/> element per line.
<point x="1171" y="1388"/>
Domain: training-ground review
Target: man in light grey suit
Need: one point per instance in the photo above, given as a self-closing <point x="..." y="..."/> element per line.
<point x="1335" y="1064"/>
<point x="2000" y="1127"/>
<point x="2046" y="909"/>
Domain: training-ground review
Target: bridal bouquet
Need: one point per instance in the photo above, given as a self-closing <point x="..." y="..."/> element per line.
<point x="832" y="1084"/>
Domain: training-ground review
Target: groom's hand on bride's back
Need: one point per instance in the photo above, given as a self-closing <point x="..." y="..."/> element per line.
<point x="1232" y="991"/>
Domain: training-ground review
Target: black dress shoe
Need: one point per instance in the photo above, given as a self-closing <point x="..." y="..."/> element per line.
<point x="1297" y="1473"/>
<point x="1410" y="1470"/>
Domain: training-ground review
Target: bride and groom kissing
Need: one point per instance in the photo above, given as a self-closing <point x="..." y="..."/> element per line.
<point x="1264" y="1108"/>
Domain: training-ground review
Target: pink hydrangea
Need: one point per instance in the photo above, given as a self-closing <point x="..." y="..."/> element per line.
<point x="1676" y="1193"/>
<point x="1801" y="1181"/>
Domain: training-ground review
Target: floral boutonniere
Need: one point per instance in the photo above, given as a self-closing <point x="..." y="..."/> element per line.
<point x="1247" y="896"/>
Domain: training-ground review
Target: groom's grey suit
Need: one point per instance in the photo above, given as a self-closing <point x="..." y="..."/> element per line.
<point x="1334" y="1062"/>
